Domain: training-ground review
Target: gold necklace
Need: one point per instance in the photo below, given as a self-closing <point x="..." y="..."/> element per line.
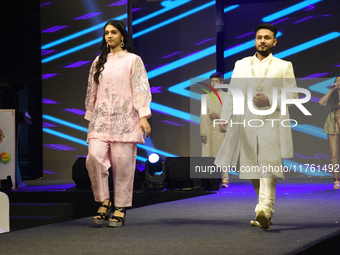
<point x="259" y="83"/>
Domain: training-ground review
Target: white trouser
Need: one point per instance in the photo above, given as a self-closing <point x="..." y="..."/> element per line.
<point x="265" y="191"/>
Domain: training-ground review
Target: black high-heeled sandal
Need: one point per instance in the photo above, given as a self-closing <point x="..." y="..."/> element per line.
<point x="103" y="215"/>
<point x="120" y="220"/>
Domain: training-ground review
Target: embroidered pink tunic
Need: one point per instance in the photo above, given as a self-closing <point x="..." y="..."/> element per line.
<point x="121" y="98"/>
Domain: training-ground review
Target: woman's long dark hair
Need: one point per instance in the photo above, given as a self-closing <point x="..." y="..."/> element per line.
<point x="106" y="50"/>
<point x="335" y="98"/>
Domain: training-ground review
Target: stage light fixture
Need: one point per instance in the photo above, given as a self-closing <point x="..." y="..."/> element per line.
<point x="155" y="172"/>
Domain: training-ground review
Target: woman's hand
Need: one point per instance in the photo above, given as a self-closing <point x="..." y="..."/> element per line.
<point x="145" y="127"/>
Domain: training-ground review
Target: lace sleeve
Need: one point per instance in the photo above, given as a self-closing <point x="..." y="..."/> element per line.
<point x="91" y="93"/>
<point x="141" y="89"/>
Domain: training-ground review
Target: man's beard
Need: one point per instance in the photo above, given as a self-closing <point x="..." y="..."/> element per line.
<point x="265" y="52"/>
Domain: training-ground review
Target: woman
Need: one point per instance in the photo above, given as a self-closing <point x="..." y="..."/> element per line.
<point x="332" y="127"/>
<point x="117" y="106"/>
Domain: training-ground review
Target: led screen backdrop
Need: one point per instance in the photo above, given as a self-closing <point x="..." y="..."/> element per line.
<point x="71" y="35"/>
<point x="309" y="37"/>
<point x="165" y="36"/>
<point x="176" y="40"/>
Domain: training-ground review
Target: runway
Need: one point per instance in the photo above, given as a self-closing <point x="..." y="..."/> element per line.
<point x="306" y="213"/>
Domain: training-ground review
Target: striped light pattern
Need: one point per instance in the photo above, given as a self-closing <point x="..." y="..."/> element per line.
<point x="89" y="15"/>
<point x="289" y="10"/>
<point x="59" y="147"/>
<point x="53" y="29"/>
<point x="79" y="63"/>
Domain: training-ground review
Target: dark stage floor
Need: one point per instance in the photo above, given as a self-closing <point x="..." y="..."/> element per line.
<point x="306" y="217"/>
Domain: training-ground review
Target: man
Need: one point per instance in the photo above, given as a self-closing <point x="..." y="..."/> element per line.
<point x="211" y="137"/>
<point x="259" y="141"/>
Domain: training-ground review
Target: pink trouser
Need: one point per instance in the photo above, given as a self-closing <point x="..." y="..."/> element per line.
<point x="122" y="158"/>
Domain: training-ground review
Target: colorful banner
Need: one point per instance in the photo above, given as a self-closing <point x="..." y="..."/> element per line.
<point x="7" y="144"/>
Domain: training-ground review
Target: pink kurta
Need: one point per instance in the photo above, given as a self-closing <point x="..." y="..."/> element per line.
<point x="122" y="97"/>
<point x="114" y="108"/>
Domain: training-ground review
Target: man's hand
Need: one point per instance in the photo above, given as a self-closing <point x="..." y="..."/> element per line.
<point x="223" y="127"/>
<point x="213" y="116"/>
<point x="145" y="127"/>
<point x="204" y="139"/>
<point x="260" y="100"/>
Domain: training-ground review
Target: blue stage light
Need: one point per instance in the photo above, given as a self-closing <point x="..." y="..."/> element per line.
<point x="321" y="87"/>
<point x="308" y="45"/>
<point x="80" y="33"/>
<point x="310" y="130"/>
<point x="83" y="129"/>
<point x="141" y="158"/>
<point x="64" y="122"/>
<point x="289" y="10"/>
<point x="169" y="5"/>
<point x="153" y="158"/>
<point x="142" y="146"/>
<point x="174" y="112"/>
<point x="164" y="23"/>
<point x="65" y="136"/>
<point x="181" y="87"/>
<point x="79" y="47"/>
<point x="181" y="62"/>
<point x="232" y="7"/>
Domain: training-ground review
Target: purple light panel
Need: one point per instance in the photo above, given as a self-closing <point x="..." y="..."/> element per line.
<point x="76" y="111"/>
<point x="315" y="99"/>
<point x="135" y="9"/>
<point x="303" y="19"/>
<point x="45" y="124"/>
<point x="279" y="21"/>
<point x="172" y="123"/>
<point x="79" y="63"/>
<point x="245" y="35"/>
<point x="45" y="52"/>
<point x="156" y="90"/>
<point x="171" y="54"/>
<point x="45" y="4"/>
<point x="204" y="41"/>
<point x="59" y="147"/>
<point x="316" y="75"/>
<point x="47" y="101"/>
<point x="119" y="3"/>
<point x="310" y="7"/>
<point x="321" y="156"/>
<point x="48" y="75"/>
<point x="298" y="155"/>
<point x="89" y="15"/>
<point x="140" y="167"/>
<point x="53" y="29"/>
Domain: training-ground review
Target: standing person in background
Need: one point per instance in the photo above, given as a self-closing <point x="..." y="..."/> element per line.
<point x="117" y="106"/>
<point x="332" y="126"/>
<point x="211" y="137"/>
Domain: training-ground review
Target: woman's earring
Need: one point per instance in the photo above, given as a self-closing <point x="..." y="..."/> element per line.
<point x="107" y="45"/>
<point x="122" y="44"/>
